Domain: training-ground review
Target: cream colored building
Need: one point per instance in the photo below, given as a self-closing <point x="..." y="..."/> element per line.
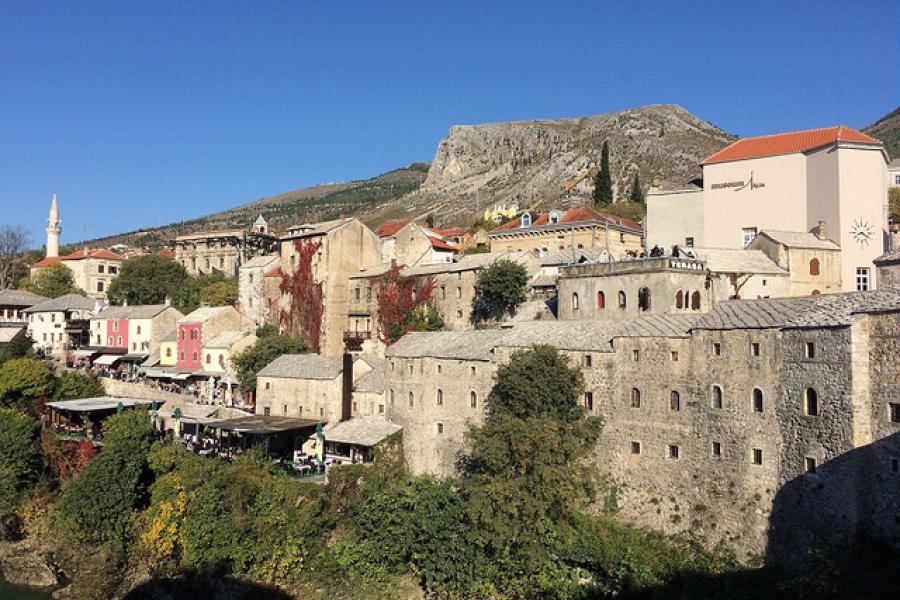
<point x="576" y="228"/>
<point x="411" y="244"/>
<point x="346" y="247"/>
<point x="134" y="329"/>
<point x="92" y="270"/>
<point x="218" y="352"/>
<point x="834" y="178"/>
<point x="223" y="252"/>
<point x="251" y="283"/>
<point x="813" y="261"/>
<point x="56" y="325"/>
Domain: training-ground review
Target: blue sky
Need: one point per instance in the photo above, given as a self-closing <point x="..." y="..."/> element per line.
<point x="145" y="113"/>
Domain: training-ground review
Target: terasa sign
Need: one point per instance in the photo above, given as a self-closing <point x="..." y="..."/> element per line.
<point x="737" y="186"/>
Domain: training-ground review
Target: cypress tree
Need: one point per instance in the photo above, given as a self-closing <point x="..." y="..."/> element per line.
<point x="637" y="194"/>
<point x="603" y="180"/>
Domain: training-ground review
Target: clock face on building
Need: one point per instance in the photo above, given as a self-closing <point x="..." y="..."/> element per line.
<point x="861" y="231"/>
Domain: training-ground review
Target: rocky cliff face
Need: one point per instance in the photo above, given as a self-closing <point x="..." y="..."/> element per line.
<point x="530" y="162"/>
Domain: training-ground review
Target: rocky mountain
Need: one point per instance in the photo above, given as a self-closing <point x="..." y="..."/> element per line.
<point x="533" y="163"/>
<point x="887" y="129"/>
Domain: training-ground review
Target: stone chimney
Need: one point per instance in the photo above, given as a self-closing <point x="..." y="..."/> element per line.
<point x="167" y="301"/>
<point x="820" y="230"/>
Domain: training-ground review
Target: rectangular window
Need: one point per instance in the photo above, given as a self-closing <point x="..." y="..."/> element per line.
<point x="356" y="293"/>
<point x="895" y="465"/>
<point x="809" y="350"/>
<point x="588" y="361"/>
<point x="747" y="235"/>
<point x="894" y="411"/>
<point x="99" y="286"/>
<point x="757" y="456"/>
<point x="268" y="385"/>
<point x="673" y="451"/>
<point x="440" y="428"/>
<point x="674" y="356"/>
<point x="100" y="268"/>
<point x="635" y="355"/>
<point x="266" y="411"/>
<point x="284" y="408"/>
<point x="754" y="348"/>
<point x="113" y="270"/>
<point x="635" y="447"/>
<point x="862" y="279"/>
<point x="716" y="450"/>
<point x="689" y="242"/>
<point x="472" y="370"/>
<point x="717" y="349"/>
<point x="810" y="464"/>
<point x="589" y="400"/>
<point x="381" y="409"/>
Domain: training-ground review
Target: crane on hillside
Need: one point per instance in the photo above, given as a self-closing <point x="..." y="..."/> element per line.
<point x="586" y="171"/>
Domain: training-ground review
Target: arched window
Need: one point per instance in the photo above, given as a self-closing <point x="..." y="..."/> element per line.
<point x="815" y="293"/>
<point x="695" y="301"/>
<point x="410" y="398"/>
<point x="601" y="300"/>
<point x="168" y="353"/>
<point x="194" y="356"/>
<point x="574" y="301"/>
<point x="222" y="359"/>
<point x="473" y="399"/>
<point x="674" y="400"/>
<point x="811" y="403"/>
<point x="526" y="220"/>
<point x="635" y="398"/>
<point x="644" y="299"/>
<point x="717" y="396"/>
<point x="208" y="359"/>
<point x="679" y="300"/>
<point x="814" y="266"/>
<point x="440" y="397"/>
<point x="757" y="400"/>
<point x="623" y="301"/>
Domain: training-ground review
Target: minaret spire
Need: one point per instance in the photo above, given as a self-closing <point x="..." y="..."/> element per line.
<point x="53" y="230"/>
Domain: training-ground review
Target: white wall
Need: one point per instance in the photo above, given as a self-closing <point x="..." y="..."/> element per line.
<point x="673" y="216"/>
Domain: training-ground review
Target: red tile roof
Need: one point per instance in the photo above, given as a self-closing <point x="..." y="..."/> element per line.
<point x="87" y="253"/>
<point x="275" y="272"/>
<point x="787" y="143"/>
<point x="390" y="228"/>
<point x="572" y="215"/>
<point x="439" y="243"/>
<point x="45" y="261"/>
<point x="450" y="232"/>
<point x="167" y="252"/>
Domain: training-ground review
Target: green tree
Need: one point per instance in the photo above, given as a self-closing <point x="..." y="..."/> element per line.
<point x="187" y="295"/>
<point x="526" y="474"/>
<point x="894" y="197"/>
<point x="72" y="384"/>
<point x="627" y="210"/>
<point x="220" y="293"/>
<point x="96" y="506"/>
<point x="23" y="380"/>
<point x="147" y="279"/>
<point x="637" y="194"/>
<point x="266" y="330"/>
<point x="426" y="318"/>
<point x="603" y="192"/>
<point x="53" y="281"/>
<point x="21" y="346"/>
<point x="252" y="360"/>
<point x="21" y="462"/>
<point x="500" y="289"/>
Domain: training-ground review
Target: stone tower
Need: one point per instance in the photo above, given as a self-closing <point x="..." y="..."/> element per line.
<point x="53" y="230"/>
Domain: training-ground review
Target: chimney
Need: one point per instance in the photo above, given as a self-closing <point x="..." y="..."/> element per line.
<point x="820" y="230"/>
<point x="167" y="301"/>
<point x="347" y="387"/>
<point x="656" y="182"/>
<point x="125" y="302"/>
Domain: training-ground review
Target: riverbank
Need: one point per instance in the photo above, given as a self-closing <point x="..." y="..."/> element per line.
<point x="9" y="591"/>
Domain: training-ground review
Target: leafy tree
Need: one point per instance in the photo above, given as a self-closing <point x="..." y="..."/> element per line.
<point x="96" y="506"/>
<point x="23" y="380"/>
<point x="222" y="293"/>
<point x="13" y="245"/>
<point x="403" y="304"/>
<point x="894" y="197"/>
<point x="627" y="210"/>
<point x="526" y="474"/>
<point x="637" y="194"/>
<point x="187" y="295"/>
<point x="266" y="330"/>
<point x="266" y="349"/>
<point x="603" y="192"/>
<point x="21" y="346"/>
<point x="500" y="289"/>
<point x="72" y="384"/>
<point x="147" y="279"/>
<point x="53" y="281"/>
<point x="21" y="462"/>
<point x="429" y="220"/>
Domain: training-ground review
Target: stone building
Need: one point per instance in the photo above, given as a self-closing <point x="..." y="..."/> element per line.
<point x="252" y="293"/>
<point x="888" y="267"/>
<point x="199" y="327"/>
<point x="797" y="181"/>
<point x="92" y="269"/>
<point x="223" y="252"/>
<point x="576" y="228"/>
<point x="61" y="323"/>
<point x="346" y="247"/>
<point x="771" y="424"/>
<point x="13" y="304"/>
<point x="813" y="261"/>
<point x="412" y="244"/>
<point x="615" y="291"/>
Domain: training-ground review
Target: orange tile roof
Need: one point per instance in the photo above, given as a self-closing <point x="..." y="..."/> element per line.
<point x="86" y="253"/>
<point x="45" y="261"/>
<point x="787" y="143"/>
<point x="572" y="215"/>
<point x="167" y="252"/>
<point x="390" y="228"/>
<point x="439" y="243"/>
<point x="275" y="272"/>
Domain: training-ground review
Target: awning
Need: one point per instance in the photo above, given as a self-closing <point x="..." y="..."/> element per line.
<point x="100" y="403"/>
<point x="151" y="361"/>
<point x="180" y="376"/>
<point x="83" y="353"/>
<point x="106" y="360"/>
<point x="134" y="357"/>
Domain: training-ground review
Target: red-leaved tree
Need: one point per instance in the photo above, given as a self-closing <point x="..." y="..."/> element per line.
<point x="401" y="302"/>
<point x="302" y="317"/>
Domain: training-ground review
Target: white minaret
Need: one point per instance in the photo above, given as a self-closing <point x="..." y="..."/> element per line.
<point x="53" y="230"/>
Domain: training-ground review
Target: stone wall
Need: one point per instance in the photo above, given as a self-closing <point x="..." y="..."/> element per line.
<point x="126" y="389"/>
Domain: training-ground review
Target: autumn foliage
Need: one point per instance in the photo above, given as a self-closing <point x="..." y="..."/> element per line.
<point x="302" y="317"/>
<point x="402" y="303"/>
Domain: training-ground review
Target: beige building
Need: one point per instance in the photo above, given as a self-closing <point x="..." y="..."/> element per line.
<point x="771" y="424"/>
<point x="218" y="352"/>
<point x="346" y="247"/>
<point x="252" y="297"/>
<point x="575" y="228"/>
<point x="92" y="270"/>
<point x="13" y="304"/>
<point x="60" y="324"/>
<point x="834" y="178"/>
<point x="223" y="252"/>
<point x="412" y="244"/>
<point x="888" y="266"/>
<point x="134" y="329"/>
<point x="812" y="260"/>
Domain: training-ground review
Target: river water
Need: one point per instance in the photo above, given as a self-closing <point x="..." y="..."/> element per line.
<point x="16" y="592"/>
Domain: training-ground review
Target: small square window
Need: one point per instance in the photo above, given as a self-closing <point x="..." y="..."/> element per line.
<point x="757" y="456"/>
<point x="810" y="465"/>
<point x="754" y="349"/>
<point x="674" y="356"/>
<point x="809" y="350"/>
<point x="689" y="242"/>
<point x="268" y="385"/>
<point x="635" y="447"/>
<point x="716" y="449"/>
<point x="895" y="465"/>
<point x="635" y="355"/>
<point x="717" y="349"/>
<point x="673" y="451"/>
<point x="459" y="314"/>
<point x="895" y="411"/>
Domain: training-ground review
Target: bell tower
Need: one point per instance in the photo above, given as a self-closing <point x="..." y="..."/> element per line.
<point x="53" y="230"/>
